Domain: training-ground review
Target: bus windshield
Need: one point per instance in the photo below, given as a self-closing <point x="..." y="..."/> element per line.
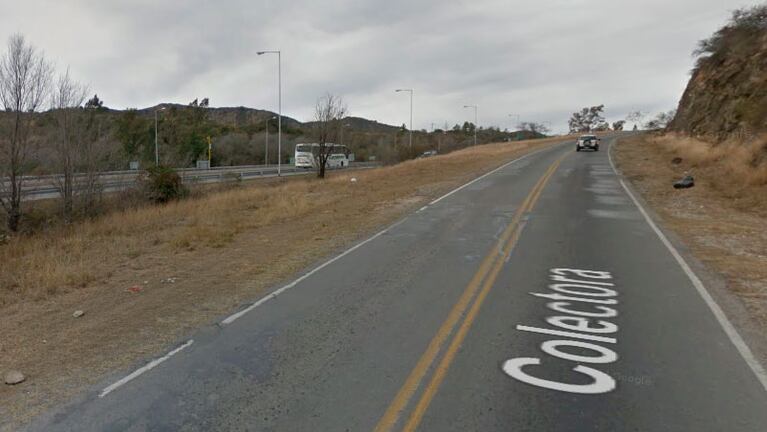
<point x="304" y="148"/>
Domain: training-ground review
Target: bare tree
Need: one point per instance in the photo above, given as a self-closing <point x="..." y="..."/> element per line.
<point x="25" y="78"/>
<point x="536" y="128"/>
<point x="661" y="120"/>
<point x="635" y="117"/>
<point x="68" y="97"/>
<point x="618" y="125"/>
<point x="328" y="113"/>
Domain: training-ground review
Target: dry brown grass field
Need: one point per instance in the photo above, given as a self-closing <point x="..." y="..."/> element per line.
<point x="190" y="262"/>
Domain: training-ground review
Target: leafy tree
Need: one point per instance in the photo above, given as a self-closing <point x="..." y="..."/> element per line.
<point x="618" y="125"/>
<point x="535" y="128"/>
<point x="184" y="132"/>
<point x="134" y="132"/>
<point x="95" y="103"/>
<point x="661" y="120"/>
<point x="588" y="119"/>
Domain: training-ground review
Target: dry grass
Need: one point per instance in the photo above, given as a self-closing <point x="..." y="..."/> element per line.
<point x="747" y="161"/>
<point x="38" y="266"/>
<point x="734" y="169"/>
<point x="224" y="248"/>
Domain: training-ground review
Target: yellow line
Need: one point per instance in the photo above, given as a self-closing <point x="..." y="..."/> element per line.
<point x="492" y="260"/>
<point x="455" y="344"/>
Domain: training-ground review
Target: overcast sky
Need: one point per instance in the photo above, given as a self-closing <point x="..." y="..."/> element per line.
<point x="539" y="59"/>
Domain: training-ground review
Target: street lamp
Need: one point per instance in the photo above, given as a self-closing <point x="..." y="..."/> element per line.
<point x="279" y="106"/>
<point x="475" y="120"/>
<point x="266" y="146"/>
<point x="411" y="113"/>
<point x="156" y="147"/>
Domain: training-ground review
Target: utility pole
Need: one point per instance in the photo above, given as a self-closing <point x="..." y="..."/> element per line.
<point x="279" y="106"/>
<point x="411" y="114"/>
<point x="156" y="146"/>
<point x="475" y="120"/>
<point x="266" y="141"/>
<point x="210" y="151"/>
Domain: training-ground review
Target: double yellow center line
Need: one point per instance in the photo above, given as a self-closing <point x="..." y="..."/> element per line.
<point x="482" y="281"/>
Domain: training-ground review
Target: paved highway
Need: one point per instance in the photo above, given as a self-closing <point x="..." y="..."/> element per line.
<point x="536" y="298"/>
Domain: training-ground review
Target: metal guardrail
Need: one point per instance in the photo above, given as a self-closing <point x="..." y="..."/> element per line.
<point x="188" y="175"/>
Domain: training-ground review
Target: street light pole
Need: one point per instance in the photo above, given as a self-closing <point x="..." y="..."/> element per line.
<point x="266" y="146"/>
<point x="156" y="147"/>
<point x="411" y="113"/>
<point x="279" y="106"/>
<point x="475" y="120"/>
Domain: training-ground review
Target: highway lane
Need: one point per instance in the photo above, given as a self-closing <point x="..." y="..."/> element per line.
<point x="535" y="298"/>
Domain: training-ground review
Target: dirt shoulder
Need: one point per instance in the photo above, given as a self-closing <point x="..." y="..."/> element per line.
<point x="722" y="220"/>
<point x="145" y="278"/>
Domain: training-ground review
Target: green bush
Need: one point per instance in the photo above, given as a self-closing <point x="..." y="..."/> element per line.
<point x="162" y="184"/>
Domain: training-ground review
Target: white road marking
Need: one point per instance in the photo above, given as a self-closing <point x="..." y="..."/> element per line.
<point x="573" y="335"/>
<point x="720" y="316"/>
<point x="230" y="319"/>
<point x="602" y="382"/>
<point x="491" y="172"/>
<point x="149" y="366"/>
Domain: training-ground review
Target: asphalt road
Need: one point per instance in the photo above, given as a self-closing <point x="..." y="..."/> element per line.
<point x="537" y="298"/>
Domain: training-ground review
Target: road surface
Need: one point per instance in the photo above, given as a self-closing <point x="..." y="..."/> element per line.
<point x="536" y="298"/>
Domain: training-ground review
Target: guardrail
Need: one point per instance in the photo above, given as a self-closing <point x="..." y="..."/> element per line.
<point x="45" y="189"/>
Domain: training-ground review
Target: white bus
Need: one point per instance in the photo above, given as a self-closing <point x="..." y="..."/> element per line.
<point x="307" y="155"/>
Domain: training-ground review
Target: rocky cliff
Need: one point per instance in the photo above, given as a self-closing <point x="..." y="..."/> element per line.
<point x="727" y="92"/>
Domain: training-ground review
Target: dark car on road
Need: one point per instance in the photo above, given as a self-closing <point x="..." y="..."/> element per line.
<point x="587" y="141"/>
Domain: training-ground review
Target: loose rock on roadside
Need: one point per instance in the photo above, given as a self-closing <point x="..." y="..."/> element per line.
<point x="14" y="377"/>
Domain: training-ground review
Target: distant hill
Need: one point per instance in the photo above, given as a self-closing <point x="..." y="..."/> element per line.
<point x="364" y="125"/>
<point x="241" y="116"/>
<point x="231" y="116"/>
<point x="727" y="92"/>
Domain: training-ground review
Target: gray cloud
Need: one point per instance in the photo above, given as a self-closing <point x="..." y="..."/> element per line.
<point x="541" y="60"/>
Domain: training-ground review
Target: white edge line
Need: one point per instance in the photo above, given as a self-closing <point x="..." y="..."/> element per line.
<point x="720" y="316"/>
<point x="231" y="318"/>
<point x="493" y="171"/>
<point x="149" y="366"/>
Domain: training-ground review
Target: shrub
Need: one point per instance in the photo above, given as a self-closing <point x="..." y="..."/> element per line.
<point x="162" y="184"/>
